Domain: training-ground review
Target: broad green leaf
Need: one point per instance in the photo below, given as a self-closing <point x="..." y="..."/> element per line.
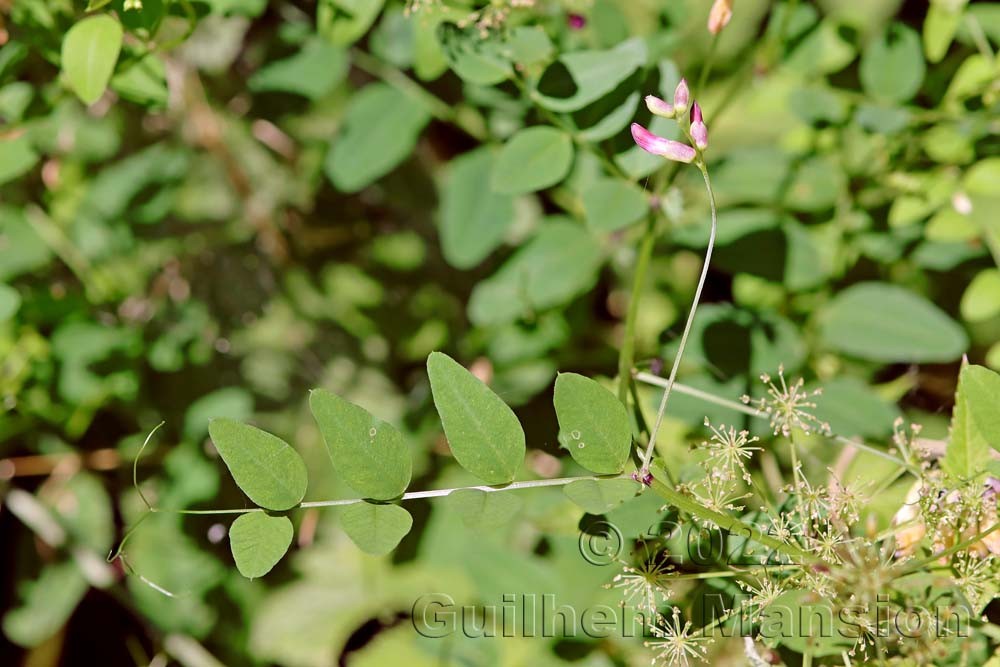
<point x="892" y="65"/>
<point x="975" y="423"/>
<point x="143" y="81"/>
<point x="89" y="53"/>
<point x="376" y="529"/>
<point x="231" y="402"/>
<point x="559" y="263"/>
<point x="940" y="24"/>
<point x="370" y="454"/>
<point x="10" y="302"/>
<point x="981" y="300"/>
<point x="481" y="509"/>
<point x="483" y="432"/>
<point x="258" y="541"/>
<point x="588" y="75"/>
<point x="802" y="620"/>
<point x="47" y="604"/>
<point x="380" y="130"/>
<point x="611" y="204"/>
<point x="888" y="323"/>
<point x="473" y="219"/>
<point x="853" y="409"/>
<point x="345" y="21"/>
<point x="598" y="496"/>
<point x="822" y="51"/>
<point x="474" y="58"/>
<point x="982" y="177"/>
<point x="593" y="424"/>
<point x="265" y="467"/>
<point x="533" y="159"/>
<point x="312" y="72"/>
<point x="17" y="156"/>
<point x="529" y="45"/>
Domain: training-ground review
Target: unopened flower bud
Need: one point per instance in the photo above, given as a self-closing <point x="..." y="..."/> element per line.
<point x="681" y="97"/>
<point x="698" y="130"/>
<point x="659" y="107"/>
<point x="718" y="17"/>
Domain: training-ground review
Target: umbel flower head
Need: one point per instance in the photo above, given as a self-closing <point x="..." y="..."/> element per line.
<point x="696" y="130"/>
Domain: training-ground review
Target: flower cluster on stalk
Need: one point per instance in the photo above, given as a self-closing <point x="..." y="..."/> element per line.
<point x="692" y="125"/>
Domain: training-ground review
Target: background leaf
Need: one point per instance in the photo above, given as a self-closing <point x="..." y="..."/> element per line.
<point x="884" y="322"/>
<point x="265" y="467"/>
<point x="89" y="53"/>
<point x="533" y="159"/>
<point x="380" y="130"/>
<point x="892" y="65"/>
<point x="473" y="221"/>
<point x="484" y="434"/>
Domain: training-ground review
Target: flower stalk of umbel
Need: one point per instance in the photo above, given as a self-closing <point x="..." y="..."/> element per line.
<point x="695" y="128"/>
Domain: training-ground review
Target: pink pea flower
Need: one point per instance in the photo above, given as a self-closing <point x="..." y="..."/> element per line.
<point x="681" y="97"/>
<point x="659" y="107"/>
<point x="718" y="17"/>
<point x="698" y="130"/>
<point x="657" y="145"/>
<point x="577" y="21"/>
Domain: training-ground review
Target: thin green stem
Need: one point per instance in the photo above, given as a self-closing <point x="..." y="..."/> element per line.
<point x="690" y="320"/>
<point x="626" y="357"/>
<point x="730" y="523"/>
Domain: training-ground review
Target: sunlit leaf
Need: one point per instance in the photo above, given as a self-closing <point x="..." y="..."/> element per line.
<point x="89" y="53"/>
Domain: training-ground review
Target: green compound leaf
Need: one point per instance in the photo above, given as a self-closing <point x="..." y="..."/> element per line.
<point x="593" y="424"/>
<point x="892" y="66"/>
<point x="258" y="542"/>
<point x="89" y="53"/>
<point x="483" y="432"/>
<point x="473" y="222"/>
<point x="376" y="529"/>
<point x="535" y="158"/>
<point x="884" y="322"/>
<point x="482" y="509"/>
<point x="598" y="496"/>
<point x="265" y="467"/>
<point x="368" y="453"/>
<point x="380" y="130"/>
<point x="975" y="423"/>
